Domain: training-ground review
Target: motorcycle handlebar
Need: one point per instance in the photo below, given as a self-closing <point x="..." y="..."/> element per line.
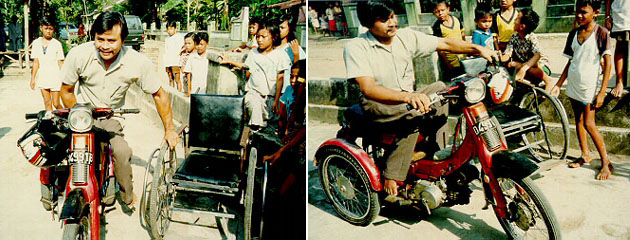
<point x="128" y="110"/>
<point x="434" y="97"/>
<point x="31" y="116"/>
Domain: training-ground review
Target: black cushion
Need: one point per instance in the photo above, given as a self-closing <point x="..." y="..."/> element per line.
<point x="509" y="115"/>
<point x="216" y="121"/>
<point x="217" y="168"/>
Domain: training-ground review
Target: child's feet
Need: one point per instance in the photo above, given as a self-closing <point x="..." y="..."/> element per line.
<point x="605" y="172"/>
<point x="579" y="162"/>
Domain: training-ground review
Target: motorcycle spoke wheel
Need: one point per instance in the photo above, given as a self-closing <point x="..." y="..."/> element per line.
<point x="347" y="187"/>
<point x="529" y="215"/>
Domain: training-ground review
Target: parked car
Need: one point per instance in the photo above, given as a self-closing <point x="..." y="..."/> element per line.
<point x="70" y="33"/>
<point x="136" y="32"/>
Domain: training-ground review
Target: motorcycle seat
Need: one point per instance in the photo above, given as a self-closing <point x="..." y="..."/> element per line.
<point x="210" y="167"/>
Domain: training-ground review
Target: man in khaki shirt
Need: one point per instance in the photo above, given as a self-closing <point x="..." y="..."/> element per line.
<point x="104" y="70"/>
<point x="381" y="62"/>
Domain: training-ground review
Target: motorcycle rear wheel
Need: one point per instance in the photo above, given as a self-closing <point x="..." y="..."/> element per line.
<point x="529" y="214"/>
<point x="78" y="231"/>
<point x="348" y="188"/>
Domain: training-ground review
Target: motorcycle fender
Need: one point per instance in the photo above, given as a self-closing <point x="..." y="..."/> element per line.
<point x="359" y="155"/>
<point x="73" y="205"/>
<point x="512" y="165"/>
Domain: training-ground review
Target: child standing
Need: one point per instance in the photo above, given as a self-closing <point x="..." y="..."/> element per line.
<point x="189" y="48"/>
<point x="524" y="52"/>
<point x="197" y="66"/>
<point x="448" y="26"/>
<point x="172" y="47"/>
<point x="504" y="22"/>
<point x="47" y="58"/>
<point x="265" y="66"/>
<point x="619" y="24"/>
<point x="482" y="36"/>
<point x="585" y="46"/>
<point x="254" y="24"/>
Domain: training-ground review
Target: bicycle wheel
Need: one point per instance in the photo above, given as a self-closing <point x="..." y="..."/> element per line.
<point x="550" y="140"/>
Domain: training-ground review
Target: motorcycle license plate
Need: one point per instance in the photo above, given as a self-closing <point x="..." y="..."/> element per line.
<point x="483" y="126"/>
<point x="81" y="157"/>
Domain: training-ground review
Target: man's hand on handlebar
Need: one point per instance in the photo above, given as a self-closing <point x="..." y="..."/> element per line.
<point x="488" y="55"/>
<point x="419" y="101"/>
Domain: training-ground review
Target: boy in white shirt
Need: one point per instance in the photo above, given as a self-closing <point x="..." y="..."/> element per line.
<point x="47" y="58"/>
<point x="197" y="66"/>
<point x="585" y="46"/>
<point x="265" y="66"/>
<point x="172" y="47"/>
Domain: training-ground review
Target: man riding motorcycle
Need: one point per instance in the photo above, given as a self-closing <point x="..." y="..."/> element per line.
<point x="104" y="70"/>
<point x="381" y="62"/>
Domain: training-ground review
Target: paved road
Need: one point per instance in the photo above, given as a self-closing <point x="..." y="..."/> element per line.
<point x="585" y="207"/>
<point x="22" y="215"/>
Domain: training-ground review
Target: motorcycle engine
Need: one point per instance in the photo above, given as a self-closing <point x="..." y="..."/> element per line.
<point x="457" y="184"/>
<point x="428" y="191"/>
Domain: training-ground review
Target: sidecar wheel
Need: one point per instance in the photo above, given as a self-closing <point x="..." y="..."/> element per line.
<point x="529" y="214"/>
<point x="347" y="186"/>
<point x="162" y="195"/>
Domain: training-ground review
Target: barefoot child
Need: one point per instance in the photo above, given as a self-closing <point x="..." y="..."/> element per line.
<point x="482" y="36"/>
<point x="448" y="26"/>
<point x="524" y="52"/>
<point x="265" y="66"/>
<point x="172" y="47"/>
<point x="47" y="58"/>
<point x="184" y="55"/>
<point x="619" y="24"/>
<point x="585" y="46"/>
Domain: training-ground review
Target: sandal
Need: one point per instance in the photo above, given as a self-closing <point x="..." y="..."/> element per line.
<point x="577" y="163"/>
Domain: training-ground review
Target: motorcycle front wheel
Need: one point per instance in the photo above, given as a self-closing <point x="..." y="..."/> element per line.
<point x="529" y="215"/>
<point x="80" y="231"/>
<point x="347" y="186"/>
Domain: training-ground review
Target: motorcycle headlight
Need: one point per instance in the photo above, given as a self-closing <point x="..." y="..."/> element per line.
<point x="475" y="90"/>
<point x="80" y="120"/>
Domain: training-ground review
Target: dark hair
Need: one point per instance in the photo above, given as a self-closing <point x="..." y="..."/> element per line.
<point x="274" y="30"/>
<point x="200" y="36"/>
<point x="171" y="24"/>
<point x="530" y="19"/>
<point x="302" y="65"/>
<point x="291" y="22"/>
<point x="595" y="4"/>
<point x="371" y="10"/>
<point x="106" y="21"/>
<point x="434" y="3"/>
<point x="482" y="10"/>
<point x="47" y="21"/>
<point x="254" y="20"/>
<point x="190" y="34"/>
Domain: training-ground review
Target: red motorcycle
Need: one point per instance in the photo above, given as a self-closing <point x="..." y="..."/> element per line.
<point x="351" y="179"/>
<point x="76" y="159"/>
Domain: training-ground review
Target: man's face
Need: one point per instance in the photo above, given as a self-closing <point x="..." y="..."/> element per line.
<point x="253" y="29"/>
<point x="585" y="15"/>
<point x="171" y="31"/>
<point x="485" y="22"/>
<point x="202" y="47"/>
<point x="47" y="31"/>
<point x="109" y="43"/>
<point x="284" y="29"/>
<point x="507" y="3"/>
<point x="263" y="37"/>
<point x="189" y="44"/>
<point x="441" y="11"/>
<point x="385" y="28"/>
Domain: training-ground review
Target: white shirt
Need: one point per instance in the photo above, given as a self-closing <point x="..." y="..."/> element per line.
<point x="172" y="48"/>
<point x="49" y="74"/>
<point x="583" y="75"/>
<point x="197" y="65"/>
<point x="264" y="70"/>
<point x="620" y="12"/>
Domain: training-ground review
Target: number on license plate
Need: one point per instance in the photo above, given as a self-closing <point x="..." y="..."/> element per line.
<point x="483" y="126"/>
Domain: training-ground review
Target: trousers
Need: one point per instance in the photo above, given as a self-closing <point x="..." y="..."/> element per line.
<point x="434" y="128"/>
<point x="122" y="156"/>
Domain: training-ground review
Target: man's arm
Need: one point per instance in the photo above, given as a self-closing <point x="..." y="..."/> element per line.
<point x="67" y="95"/>
<point x="388" y="96"/>
<point x="460" y="46"/>
<point x="163" y="105"/>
